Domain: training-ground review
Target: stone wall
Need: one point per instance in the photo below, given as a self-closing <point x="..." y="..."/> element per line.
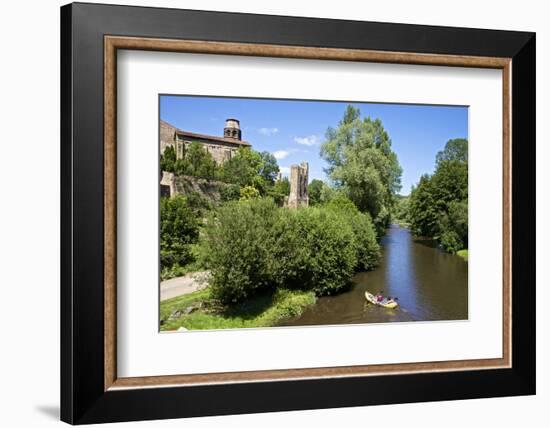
<point x="209" y="189"/>
<point x="171" y="185"/>
<point x="167" y="135"/>
<point x="220" y="152"/>
<point x="167" y="184"/>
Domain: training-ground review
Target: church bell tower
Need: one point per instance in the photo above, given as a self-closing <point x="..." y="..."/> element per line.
<point x="232" y="129"/>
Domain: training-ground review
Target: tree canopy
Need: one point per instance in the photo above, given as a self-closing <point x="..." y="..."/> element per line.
<point x="362" y="163"/>
<point x="251" y="168"/>
<point x="455" y="150"/>
<point x="438" y="205"/>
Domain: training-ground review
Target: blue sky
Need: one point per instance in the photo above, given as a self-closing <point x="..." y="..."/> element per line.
<point x="294" y="130"/>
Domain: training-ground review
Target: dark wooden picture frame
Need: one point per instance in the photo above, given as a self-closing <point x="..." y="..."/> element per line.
<point x="90" y="389"/>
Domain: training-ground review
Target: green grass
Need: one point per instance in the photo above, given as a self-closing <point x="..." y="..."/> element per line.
<point x="463" y="254"/>
<point x="261" y="311"/>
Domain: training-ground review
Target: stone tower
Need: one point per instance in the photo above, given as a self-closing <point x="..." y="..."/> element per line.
<point x="232" y="129"/>
<point x="298" y="186"/>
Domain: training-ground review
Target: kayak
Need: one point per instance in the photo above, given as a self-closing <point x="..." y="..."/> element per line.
<point x="390" y="304"/>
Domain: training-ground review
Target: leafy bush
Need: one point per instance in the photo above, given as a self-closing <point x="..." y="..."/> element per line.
<point x="238" y="243"/>
<point x="198" y="203"/>
<point x="249" y="192"/>
<point x="366" y="245"/>
<point x="168" y="159"/>
<point x="252" y="246"/>
<point x="315" y="251"/>
<point x="230" y="193"/>
<point x="454" y="227"/>
<point x="450" y="241"/>
<point x="178" y="229"/>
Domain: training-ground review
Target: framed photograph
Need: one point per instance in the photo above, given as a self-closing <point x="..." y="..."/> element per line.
<point x="267" y="213"/>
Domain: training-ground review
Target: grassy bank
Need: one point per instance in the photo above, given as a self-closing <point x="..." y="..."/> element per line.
<point x="463" y="254"/>
<point x="198" y="311"/>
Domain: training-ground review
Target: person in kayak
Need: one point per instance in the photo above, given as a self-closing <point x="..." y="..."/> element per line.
<point x="379" y="297"/>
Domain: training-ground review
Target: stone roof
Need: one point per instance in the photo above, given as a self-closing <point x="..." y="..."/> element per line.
<point x="212" y="138"/>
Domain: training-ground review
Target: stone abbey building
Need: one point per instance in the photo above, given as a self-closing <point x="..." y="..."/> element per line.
<point x="221" y="148"/>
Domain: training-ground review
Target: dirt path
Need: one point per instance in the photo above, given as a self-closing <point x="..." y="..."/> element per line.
<point x="186" y="284"/>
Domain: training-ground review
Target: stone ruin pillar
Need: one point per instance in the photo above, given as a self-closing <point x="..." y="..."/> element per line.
<point x="298" y="186"/>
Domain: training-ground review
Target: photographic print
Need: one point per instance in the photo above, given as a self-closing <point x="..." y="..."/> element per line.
<point x="279" y="213"/>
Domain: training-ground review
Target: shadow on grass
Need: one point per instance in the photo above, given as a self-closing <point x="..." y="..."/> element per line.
<point x="251" y="308"/>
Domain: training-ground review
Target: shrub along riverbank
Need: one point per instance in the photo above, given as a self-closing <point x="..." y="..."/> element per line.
<point x="252" y="247"/>
<point x="463" y="254"/>
<point x="268" y="263"/>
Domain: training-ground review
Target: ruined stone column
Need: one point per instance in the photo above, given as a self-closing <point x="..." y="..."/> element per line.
<point x="298" y="186"/>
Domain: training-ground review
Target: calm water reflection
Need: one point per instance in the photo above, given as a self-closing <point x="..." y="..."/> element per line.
<point x="430" y="284"/>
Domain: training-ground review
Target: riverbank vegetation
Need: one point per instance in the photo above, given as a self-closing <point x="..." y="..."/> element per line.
<point x="438" y="204"/>
<point x="253" y="246"/>
<point x="200" y="311"/>
<point x="463" y="254"/>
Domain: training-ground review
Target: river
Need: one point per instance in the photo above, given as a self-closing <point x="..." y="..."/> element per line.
<point x="429" y="283"/>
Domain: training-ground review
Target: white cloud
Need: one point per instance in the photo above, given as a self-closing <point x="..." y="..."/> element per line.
<point x="281" y="154"/>
<point x="268" y="132"/>
<point x="306" y="141"/>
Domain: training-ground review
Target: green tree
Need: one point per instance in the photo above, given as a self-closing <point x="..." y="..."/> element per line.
<point x="328" y="193"/>
<point x="423" y="211"/>
<point x="282" y="186"/>
<point x="243" y="167"/>
<point x="279" y="190"/>
<point x="269" y="168"/>
<point x="453" y="226"/>
<point x="455" y="150"/>
<point x="178" y="229"/>
<point x="314" y="190"/>
<point x="168" y="159"/>
<point x="362" y="163"/>
<point x="450" y="183"/>
<point x="438" y="205"/>
<point x="197" y="162"/>
<point x="401" y="212"/>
